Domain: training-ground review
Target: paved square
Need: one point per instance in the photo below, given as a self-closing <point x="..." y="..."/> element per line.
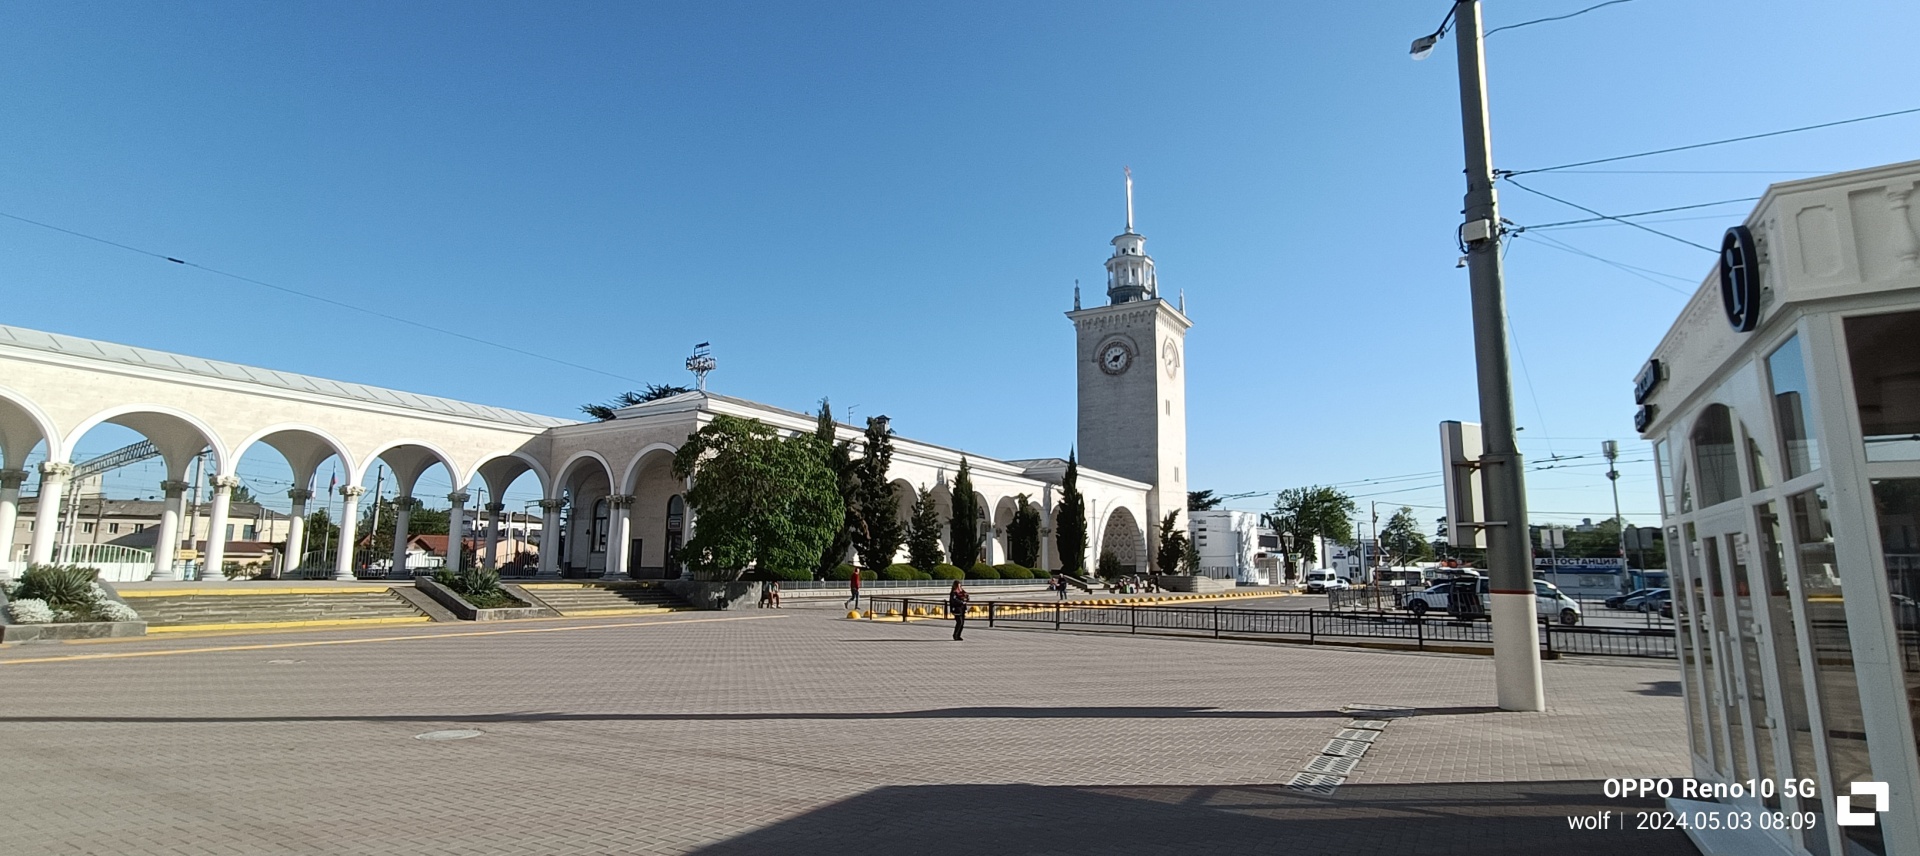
<point x="796" y="731"/>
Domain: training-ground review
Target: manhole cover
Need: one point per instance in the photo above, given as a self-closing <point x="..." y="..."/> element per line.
<point x="1369" y="724"/>
<point x="1330" y="764"/>
<point x="283" y="662"/>
<point x="1360" y="734"/>
<point x="449" y="734"/>
<point x="1316" y="783"/>
<point x="1345" y="748"/>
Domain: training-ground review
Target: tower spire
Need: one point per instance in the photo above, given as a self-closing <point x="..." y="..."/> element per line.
<point x="1129" y="198"/>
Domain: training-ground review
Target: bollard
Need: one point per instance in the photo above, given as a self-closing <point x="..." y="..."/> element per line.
<point x="991" y="608"/>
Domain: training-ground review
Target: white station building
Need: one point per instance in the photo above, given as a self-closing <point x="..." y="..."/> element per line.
<point x="607" y="485"/>
<point x="1784" y="412"/>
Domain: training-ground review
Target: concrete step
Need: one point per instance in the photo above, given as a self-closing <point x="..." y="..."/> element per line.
<point x="182" y="609"/>
<point x="580" y="599"/>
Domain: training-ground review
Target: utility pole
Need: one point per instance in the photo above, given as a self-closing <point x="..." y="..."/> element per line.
<point x="373" y="529"/>
<point x="1612" y="450"/>
<point x="1516" y="646"/>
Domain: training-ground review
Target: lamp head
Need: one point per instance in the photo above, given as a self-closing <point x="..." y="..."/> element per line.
<point x="1423" y="46"/>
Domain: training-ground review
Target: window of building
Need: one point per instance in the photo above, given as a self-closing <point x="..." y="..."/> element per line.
<point x="113" y="529"/>
<point x="1724" y="635"/>
<point x="86" y="528"/>
<point x="1703" y="619"/>
<point x="1785" y="639"/>
<point x="599" y="530"/>
<point x="1897" y="504"/>
<point x="1886" y="382"/>
<point x="1793" y="410"/>
<point x="139" y="527"/>
<point x="1741" y="594"/>
<point x="1663" y="472"/>
<point x="1688" y="635"/>
<point x="1833" y="670"/>
<point x="1713" y="456"/>
<point x="229" y="532"/>
<point x="249" y="532"/>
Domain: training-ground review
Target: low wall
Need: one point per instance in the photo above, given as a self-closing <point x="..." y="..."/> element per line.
<point x="707" y="594"/>
<point x="468" y="612"/>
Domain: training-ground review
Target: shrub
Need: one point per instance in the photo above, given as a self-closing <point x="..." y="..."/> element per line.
<point x="898" y="572"/>
<point x="982" y="571"/>
<point x="60" y="586"/>
<point x="29" y="610"/>
<point x="948" y="572"/>
<point x="1013" y="572"/>
<point x="791" y="574"/>
<point x="842" y="572"/>
<point x="479" y="586"/>
<point x="922" y="575"/>
<point x="113" y="610"/>
<point x="1110" y="567"/>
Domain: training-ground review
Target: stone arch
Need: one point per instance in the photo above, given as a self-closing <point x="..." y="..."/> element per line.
<point x="23" y="425"/>
<point x="178" y="434"/>
<point x="943" y="508"/>
<point x="507" y="542"/>
<point x="652" y="533"/>
<point x="408" y="459"/>
<point x="1121" y="535"/>
<point x="585" y="480"/>
<point x="303" y="446"/>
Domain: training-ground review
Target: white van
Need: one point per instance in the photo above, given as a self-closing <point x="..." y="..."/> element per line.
<point x="1320" y="581"/>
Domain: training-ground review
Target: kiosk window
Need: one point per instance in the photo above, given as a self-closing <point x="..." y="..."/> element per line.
<point x="1714" y="457"/>
<point x="1792" y="411"/>
<point x="1886" y="382"/>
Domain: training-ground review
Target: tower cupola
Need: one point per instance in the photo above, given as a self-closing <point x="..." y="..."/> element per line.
<point x="1130" y="274"/>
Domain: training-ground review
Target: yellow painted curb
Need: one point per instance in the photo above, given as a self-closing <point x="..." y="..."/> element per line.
<point x="239" y="591"/>
<point x="280" y="625"/>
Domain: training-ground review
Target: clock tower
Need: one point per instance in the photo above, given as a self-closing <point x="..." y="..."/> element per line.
<point x="1133" y="379"/>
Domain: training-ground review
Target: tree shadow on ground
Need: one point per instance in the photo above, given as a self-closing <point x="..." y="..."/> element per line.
<point x="1659" y="688"/>
<point x="1482" y="819"/>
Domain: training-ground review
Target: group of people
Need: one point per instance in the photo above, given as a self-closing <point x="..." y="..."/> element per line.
<point x="1132" y="584"/>
<point x="770" y="595"/>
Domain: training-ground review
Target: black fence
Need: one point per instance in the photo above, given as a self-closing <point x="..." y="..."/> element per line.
<point x="1297" y="625"/>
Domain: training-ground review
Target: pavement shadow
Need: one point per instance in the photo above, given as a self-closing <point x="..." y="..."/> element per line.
<point x="1482" y="819"/>
<point x="1660" y="688"/>
<point x="1002" y="712"/>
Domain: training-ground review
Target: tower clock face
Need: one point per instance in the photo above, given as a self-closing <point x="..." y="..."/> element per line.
<point x="1115" y="358"/>
<point x="1170" y="357"/>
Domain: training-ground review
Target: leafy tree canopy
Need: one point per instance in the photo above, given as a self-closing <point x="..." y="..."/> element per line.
<point x="923" y="533"/>
<point x="653" y="392"/>
<point x="1202" y="500"/>
<point x="1302" y="514"/>
<point x="1402" y="541"/>
<point x="762" y="501"/>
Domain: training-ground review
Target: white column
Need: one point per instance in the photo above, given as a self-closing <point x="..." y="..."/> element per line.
<point x="343" y="568"/>
<point x="46" y="512"/>
<point x="166" y="544"/>
<point x="490" y="557"/>
<point x="10" y="481"/>
<point x="550" y="537"/>
<point x="619" y="525"/>
<point x="296" y="546"/>
<point x="210" y="565"/>
<point x="402" y="518"/>
<point x="456" y="527"/>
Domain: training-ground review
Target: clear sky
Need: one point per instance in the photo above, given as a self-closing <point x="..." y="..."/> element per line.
<point x="889" y="203"/>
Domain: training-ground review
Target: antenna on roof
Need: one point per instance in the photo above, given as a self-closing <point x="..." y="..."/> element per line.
<point x="700" y="363"/>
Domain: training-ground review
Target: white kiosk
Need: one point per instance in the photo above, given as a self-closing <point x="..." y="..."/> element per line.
<point x="1784" y="412"/>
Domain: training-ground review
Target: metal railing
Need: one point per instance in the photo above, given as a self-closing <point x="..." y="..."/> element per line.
<point x="866" y="585"/>
<point x="1299" y="625"/>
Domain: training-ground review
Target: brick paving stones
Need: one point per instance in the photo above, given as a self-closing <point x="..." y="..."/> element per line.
<point x="795" y="731"/>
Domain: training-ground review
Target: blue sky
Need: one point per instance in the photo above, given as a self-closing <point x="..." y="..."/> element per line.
<point x="889" y="205"/>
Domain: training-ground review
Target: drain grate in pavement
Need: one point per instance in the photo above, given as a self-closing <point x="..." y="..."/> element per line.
<point x="1361" y="734"/>
<point x="1330" y="764"/>
<point x="1369" y="724"/>
<point x="1316" y="783"/>
<point x="1345" y="748"/>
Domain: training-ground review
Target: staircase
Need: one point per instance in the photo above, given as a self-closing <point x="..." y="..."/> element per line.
<point x="576" y="599"/>
<point x="165" y="611"/>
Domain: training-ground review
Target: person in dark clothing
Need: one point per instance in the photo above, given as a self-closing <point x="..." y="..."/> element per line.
<point x="957" y="607"/>
<point x="853" y="586"/>
<point x="1060" y="585"/>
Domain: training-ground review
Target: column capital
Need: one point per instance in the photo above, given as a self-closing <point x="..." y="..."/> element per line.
<point x="620" y="500"/>
<point x="12" y="478"/>
<point x="173" y="488"/>
<point x="56" y="470"/>
<point x="552" y="504"/>
<point x="496" y="507"/>
<point x="459" y="497"/>
<point x="224" y="482"/>
<point x="299" y="494"/>
<point x="352" y="491"/>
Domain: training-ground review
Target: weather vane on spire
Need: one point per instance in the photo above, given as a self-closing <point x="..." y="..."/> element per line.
<point x="1129" y="199"/>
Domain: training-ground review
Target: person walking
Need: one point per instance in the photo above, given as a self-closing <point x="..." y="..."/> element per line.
<point x="1060" y="585"/>
<point x="773" y="593"/>
<point x="957" y="607"/>
<point x="853" y="586"/>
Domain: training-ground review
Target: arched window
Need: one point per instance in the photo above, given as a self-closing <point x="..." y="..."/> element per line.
<point x="1714" y="458"/>
<point x="599" y="530"/>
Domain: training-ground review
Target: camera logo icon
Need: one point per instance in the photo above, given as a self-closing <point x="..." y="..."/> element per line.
<point x="1844" y="815"/>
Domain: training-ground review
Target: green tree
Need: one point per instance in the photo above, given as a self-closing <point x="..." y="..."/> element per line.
<point x="1202" y="500"/>
<point x="1023" y="533"/>
<point x="1109" y="567"/>
<point x="241" y="495"/>
<point x="653" y="392"/>
<point x="923" y="533"/>
<point x="839" y="462"/>
<point x="1173" y="544"/>
<point x="1302" y="514"/>
<point x="877" y="531"/>
<point x="1070" y="521"/>
<point x="762" y="501"/>
<point x="1402" y="541"/>
<point x="965" y="526"/>
<point x="377" y="541"/>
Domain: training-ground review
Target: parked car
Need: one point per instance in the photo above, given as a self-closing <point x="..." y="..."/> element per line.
<point x="1648" y="602"/>
<point x="1549" y="603"/>
<point x="1321" y="581"/>
<point x="1619" y="601"/>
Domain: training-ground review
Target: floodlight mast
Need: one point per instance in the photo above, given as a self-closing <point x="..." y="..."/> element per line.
<point x="700" y="363"/>
<point x="1516" y="646"/>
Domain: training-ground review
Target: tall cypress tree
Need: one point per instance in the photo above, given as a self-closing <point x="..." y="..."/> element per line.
<point x="923" y="533"/>
<point x="965" y="525"/>
<point x="877" y="532"/>
<point x="1023" y="533"/>
<point x="1070" y="522"/>
<point x="840" y="460"/>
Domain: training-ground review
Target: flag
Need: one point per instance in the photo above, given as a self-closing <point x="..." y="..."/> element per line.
<point x="331" y="482"/>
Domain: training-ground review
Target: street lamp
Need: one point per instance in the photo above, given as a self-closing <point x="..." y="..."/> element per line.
<point x="1516" y="647"/>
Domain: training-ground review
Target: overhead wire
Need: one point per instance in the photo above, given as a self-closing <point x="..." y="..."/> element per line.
<point x="315" y="297"/>
<point x="1612" y="217"/>
<point x="1742" y="139"/>
<point x="1555" y="18"/>
<point x="1604" y="217"/>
